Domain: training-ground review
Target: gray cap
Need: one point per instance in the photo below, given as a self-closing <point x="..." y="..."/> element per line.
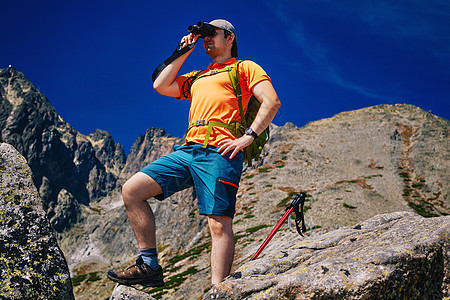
<point x="223" y="24"/>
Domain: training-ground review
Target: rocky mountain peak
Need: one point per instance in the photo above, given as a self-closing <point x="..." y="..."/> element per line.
<point x="149" y="147"/>
<point x="61" y="158"/>
<point x="14" y="85"/>
<point x="111" y="154"/>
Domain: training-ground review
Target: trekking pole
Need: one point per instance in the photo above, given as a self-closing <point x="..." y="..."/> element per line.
<point x="296" y="204"/>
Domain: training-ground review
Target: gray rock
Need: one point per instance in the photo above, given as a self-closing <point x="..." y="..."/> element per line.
<point x="31" y="264"/>
<point x="393" y="256"/>
<point x="123" y="292"/>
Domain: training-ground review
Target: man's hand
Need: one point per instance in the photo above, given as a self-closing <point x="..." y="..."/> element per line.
<point x="235" y="145"/>
<point x="188" y="40"/>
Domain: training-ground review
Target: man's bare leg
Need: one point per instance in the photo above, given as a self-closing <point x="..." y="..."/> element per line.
<point x="222" y="252"/>
<point x="135" y="193"/>
<point x="146" y="271"/>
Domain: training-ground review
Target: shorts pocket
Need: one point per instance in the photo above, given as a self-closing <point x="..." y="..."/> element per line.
<point x="225" y="197"/>
<point x="220" y="180"/>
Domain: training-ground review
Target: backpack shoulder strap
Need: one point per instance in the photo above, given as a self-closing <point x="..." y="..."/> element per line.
<point x="235" y="83"/>
<point x="186" y="87"/>
<point x="199" y="74"/>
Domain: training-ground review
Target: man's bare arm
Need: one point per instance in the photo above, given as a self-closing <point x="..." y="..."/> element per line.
<point x="270" y="104"/>
<point x="165" y="83"/>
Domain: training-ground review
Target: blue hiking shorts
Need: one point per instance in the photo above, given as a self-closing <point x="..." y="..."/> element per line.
<point x="214" y="177"/>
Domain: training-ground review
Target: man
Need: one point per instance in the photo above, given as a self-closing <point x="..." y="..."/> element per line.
<point x="213" y="170"/>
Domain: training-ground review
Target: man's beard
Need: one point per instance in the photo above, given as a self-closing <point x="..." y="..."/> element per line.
<point x="210" y="50"/>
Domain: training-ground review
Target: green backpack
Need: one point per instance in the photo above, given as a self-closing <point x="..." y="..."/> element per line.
<point x="253" y="151"/>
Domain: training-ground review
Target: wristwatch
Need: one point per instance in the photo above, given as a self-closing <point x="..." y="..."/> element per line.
<point x="250" y="131"/>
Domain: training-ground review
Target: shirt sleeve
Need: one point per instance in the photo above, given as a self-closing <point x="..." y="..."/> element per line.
<point x="182" y="83"/>
<point x="251" y="73"/>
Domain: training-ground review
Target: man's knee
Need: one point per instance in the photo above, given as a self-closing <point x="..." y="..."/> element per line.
<point x="139" y="187"/>
<point x="220" y="225"/>
<point x="127" y="191"/>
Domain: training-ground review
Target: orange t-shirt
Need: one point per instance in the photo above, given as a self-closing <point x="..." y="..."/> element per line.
<point x="213" y="99"/>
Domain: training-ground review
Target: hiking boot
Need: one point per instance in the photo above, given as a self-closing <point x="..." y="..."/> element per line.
<point x="139" y="273"/>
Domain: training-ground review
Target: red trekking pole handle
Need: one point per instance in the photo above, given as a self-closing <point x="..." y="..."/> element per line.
<point x="296" y="203"/>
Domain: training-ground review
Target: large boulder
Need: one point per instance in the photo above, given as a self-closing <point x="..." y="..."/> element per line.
<point x="32" y="265"/>
<point x="399" y="255"/>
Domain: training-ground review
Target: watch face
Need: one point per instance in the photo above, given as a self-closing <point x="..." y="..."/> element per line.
<point x="250" y="131"/>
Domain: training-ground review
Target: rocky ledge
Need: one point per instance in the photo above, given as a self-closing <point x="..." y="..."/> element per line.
<point x="398" y="255"/>
<point x="391" y="256"/>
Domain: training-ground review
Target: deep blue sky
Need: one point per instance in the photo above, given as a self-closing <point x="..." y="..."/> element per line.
<point x="94" y="59"/>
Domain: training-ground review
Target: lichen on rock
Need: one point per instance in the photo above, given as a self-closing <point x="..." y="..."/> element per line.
<point x="31" y="264"/>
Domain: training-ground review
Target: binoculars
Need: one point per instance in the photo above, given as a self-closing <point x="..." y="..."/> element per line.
<point x="203" y="29"/>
